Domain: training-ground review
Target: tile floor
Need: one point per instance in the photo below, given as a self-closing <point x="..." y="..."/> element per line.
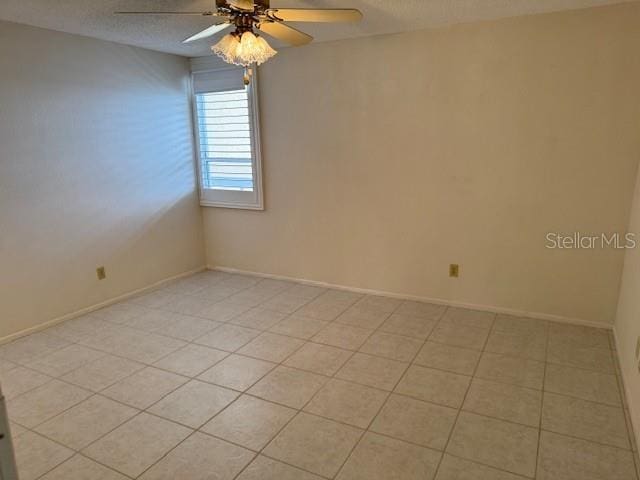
<point x="234" y="377"/>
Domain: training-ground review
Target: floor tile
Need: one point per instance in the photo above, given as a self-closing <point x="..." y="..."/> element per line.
<point x="288" y="386"/>
<point x="79" y="328"/>
<point x="144" y="388"/>
<point x="347" y="402"/>
<point x="186" y="327"/>
<point x="201" y="457"/>
<point x="191" y="360"/>
<point x="263" y="468"/>
<point x="396" y="347"/>
<point x="578" y="336"/>
<point x="379" y="303"/>
<point x="469" y="318"/>
<point x="135" y="344"/>
<point x="44" y="402"/>
<point x="65" y="360"/>
<point x="223" y="311"/>
<point x="505" y="402"/>
<point x="79" y="426"/>
<point x="585" y="384"/>
<point x="422" y="310"/>
<point x="271" y="347"/>
<point x="191" y="305"/>
<point x="381" y="458"/>
<point x="6" y="365"/>
<point x="410" y="326"/>
<point x="228" y="337"/>
<point x="459" y="336"/>
<point x="522" y="325"/>
<point x="20" y="380"/>
<point x="249" y="298"/>
<point x="138" y="444"/>
<point x="516" y="344"/>
<point x="342" y="336"/>
<point x="415" y="421"/>
<point x="120" y="313"/>
<point x="150" y="320"/>
<point x="249" y="422"/>
<point x="305" y="291"/>
<point x="36" y="455"/>
<point x="16" y="430"/>
<point x="194" y="403"/>
<point x="258" y="318"/>
<point x="362" y="316"/>
<point x="153" y="299"/>
<point x="322" y="310"/>
<point x="237" y="372"/>
<point x="589" y="358"/>
<point x="299" y="326"/>
<point x="285" y="303"/>
<point x="373" y="371"/>
<point x="82" y="468"/>
<point x="343" y="297"/>
<point x="496" y="443"/>
<point x="446" y="357"/>
<point x="564" y="458"/>
<point x="454" y="468"/>
<point x="102" y="373"/>
<point x="587" y="420"/>
<point x="513" y="370"/>
<point x="314" y="444"/>
<point x="435" y="386"/>
<point x="29" y="348"/>
<point x="318" y="358"/>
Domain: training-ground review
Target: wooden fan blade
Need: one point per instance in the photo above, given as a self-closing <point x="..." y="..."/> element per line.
<point x="315" y="15"/>
<point x="203" y="14"/>
<point x="207" y="32"/>
<point x="244" y="5"/>
<point x="285" y="33"/>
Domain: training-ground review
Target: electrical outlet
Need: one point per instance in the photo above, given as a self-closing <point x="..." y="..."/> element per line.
<point x="454" y="270"/>
<point x="101" y="273"/>
<point x="638" y="347"/>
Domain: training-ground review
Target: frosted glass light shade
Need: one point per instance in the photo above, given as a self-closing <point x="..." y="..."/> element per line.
<point x="243" y="50"/>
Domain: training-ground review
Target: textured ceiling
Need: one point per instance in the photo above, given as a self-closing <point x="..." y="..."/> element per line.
<point x="94" y="18"/>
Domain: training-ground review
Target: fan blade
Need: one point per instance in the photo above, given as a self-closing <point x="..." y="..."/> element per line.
<point x="244" y="5"/>
<point x="285" y="33"/>
<point x="207" y="32"/>
<point x="203" y="14"/>
<point x="315" y="15"/>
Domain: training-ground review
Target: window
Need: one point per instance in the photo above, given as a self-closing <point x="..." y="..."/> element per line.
<point x="226" y="116"/>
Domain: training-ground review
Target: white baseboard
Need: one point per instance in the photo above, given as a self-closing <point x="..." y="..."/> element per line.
<point x="438" y="301"/>
<point x="629" y="401"/>
<point x="98" y="306"/>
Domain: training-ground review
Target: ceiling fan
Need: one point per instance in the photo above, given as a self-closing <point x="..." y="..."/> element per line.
<point x="244" y="46"/>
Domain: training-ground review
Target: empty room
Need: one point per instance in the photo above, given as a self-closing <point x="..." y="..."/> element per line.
<point x="319" y="239"/>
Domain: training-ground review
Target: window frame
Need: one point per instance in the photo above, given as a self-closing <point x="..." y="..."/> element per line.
<point x="230" y="198"/>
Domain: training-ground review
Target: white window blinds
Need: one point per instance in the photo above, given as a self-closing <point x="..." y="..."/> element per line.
<point x="225" y="140"/>
<point x="227" y="134"/>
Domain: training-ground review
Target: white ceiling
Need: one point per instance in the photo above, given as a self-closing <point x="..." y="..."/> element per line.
<point x="94" y="18"/>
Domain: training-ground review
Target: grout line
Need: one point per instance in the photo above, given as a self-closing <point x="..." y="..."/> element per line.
<point x="542" y="400"/>
<point x="464" y="399"/>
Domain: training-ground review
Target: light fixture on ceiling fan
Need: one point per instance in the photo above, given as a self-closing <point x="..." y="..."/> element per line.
<point x="245" y="46"/>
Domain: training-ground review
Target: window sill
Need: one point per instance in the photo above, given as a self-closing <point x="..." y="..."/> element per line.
<point x="238" y="206"/>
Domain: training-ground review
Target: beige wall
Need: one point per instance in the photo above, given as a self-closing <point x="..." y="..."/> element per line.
<point x="627" y="326"/>
<point x="387" y="158"/>
<point x="96" y="168"/>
